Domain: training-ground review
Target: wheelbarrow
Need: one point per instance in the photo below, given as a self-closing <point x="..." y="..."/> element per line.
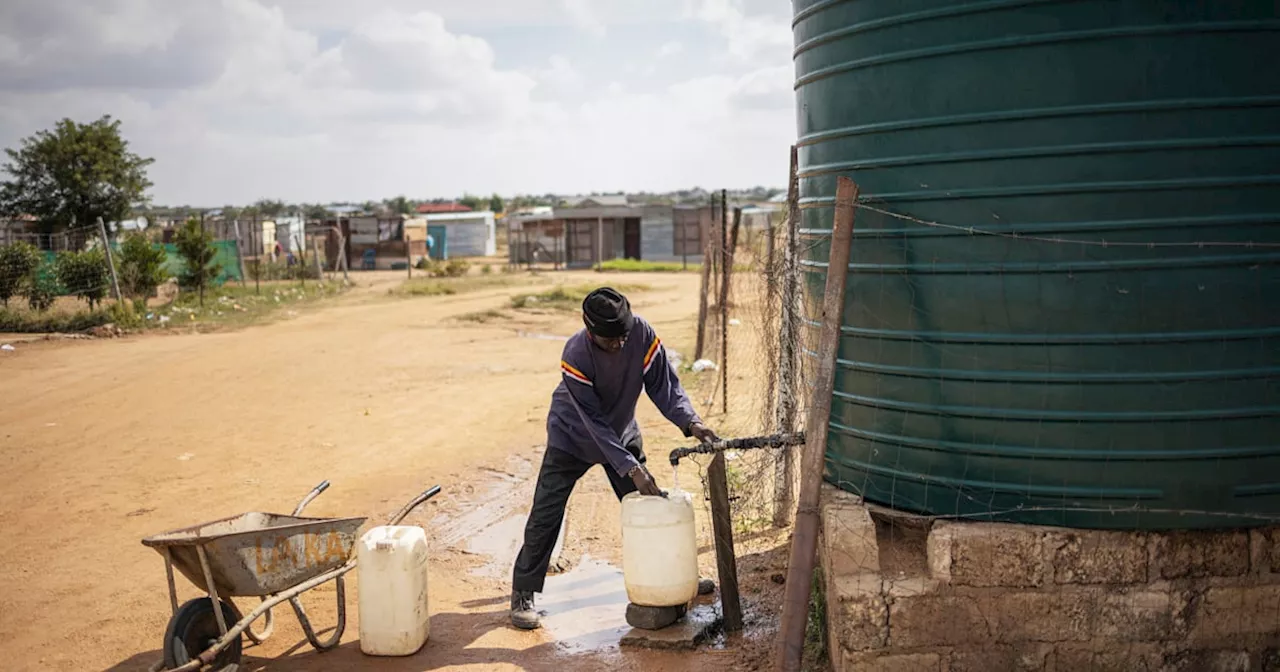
<point x="269" y="556"/>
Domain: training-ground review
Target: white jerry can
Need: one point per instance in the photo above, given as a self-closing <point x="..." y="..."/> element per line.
<point x="659" y="549"/>
<point x="392" y="571"/>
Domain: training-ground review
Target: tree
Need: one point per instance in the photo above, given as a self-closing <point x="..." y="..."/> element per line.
<point x="473" y="202"/>
<point x="400" y="205"/>
<point x="18" y="264"/>
<point x="195" y="246"/>
<point x="73" y="174"/>
<point x="316" y="212"/>
<point x="141" y="266"/>
<point x="271" y="209"/>
<point x="84" y="274"/>
<point x="496" y="204"/>
<point x="230" y="212"/>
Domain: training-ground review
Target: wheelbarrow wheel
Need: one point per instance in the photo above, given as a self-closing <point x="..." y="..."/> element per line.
<point x="195" y="628"/>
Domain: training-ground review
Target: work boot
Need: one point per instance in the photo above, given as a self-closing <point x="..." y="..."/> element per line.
<point x="523" y="615"/>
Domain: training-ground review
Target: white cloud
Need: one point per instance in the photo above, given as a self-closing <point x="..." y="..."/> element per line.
<point x="560" y="77"/>
<point x="243" y="99"/>
<point x="583" y="15"/>
<point x="670" y="49"/>
<point x="761" y="39"/>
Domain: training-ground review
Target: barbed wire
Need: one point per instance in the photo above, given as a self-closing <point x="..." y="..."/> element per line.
<point x="973" y="230"/>
<point x="894" y="546"/>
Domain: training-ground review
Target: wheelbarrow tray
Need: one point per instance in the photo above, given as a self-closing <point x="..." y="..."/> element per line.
<point x="255" y="554"/>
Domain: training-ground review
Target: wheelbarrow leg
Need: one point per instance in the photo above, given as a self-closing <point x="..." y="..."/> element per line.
<point x="260" y="637"/>
<point x="173" y="588"/>
<point x="306" y="622"/>
<point x="213" y="590"/>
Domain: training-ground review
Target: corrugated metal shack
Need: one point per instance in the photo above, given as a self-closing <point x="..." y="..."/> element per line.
<point x="582" y="236"/>
<point x="534" y="235"/>
<point x="376" y="242"/>
<point x="466" y="234"/>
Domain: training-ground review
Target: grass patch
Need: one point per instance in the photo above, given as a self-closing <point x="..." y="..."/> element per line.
<point x="562" y="297"/>
<point x="19" y="321"/>
<point x="235" y="306"/>
<point x="641" y="266"/>
<point x="482" y="316"/>
<point x="225" y="306"/>
<point x="448" y="286"/>
<point x="815" y="631"/>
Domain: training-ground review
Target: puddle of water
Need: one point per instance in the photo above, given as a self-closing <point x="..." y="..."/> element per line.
<point x="501" y="542"/>
<point x="586" y="608"/>
<point x="491" y="506"/>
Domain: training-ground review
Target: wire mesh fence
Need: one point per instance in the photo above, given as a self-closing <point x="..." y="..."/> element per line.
<point x="1114" y="389"/>
<point x="69" y="281"/>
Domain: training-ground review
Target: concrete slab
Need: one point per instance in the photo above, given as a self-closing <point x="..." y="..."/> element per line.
<point x="695" y="628"/>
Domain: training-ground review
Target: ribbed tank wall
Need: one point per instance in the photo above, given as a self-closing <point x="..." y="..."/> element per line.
<point x="1035" y="334"/>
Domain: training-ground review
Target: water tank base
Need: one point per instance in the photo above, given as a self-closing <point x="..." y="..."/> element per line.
<point x="1001" y="596"/>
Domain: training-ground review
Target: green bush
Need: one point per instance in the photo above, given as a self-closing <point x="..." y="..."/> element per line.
<point x="279" y="270"/>
<point x="141" y="266"/>
<point x="18" y="263"/>
<point x="454" y="268"/>
<point x="43" y="289"/>
<point x="84" y="274"/>
<point x="125" y="315"/>
<point x="23" y="322"/>
<point x="195" y="246"/>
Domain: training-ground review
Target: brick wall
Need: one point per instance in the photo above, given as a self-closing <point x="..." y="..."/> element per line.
<point x="992" y="597"/>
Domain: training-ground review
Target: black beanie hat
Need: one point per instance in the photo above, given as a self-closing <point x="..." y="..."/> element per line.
<point x="607" y="313"/>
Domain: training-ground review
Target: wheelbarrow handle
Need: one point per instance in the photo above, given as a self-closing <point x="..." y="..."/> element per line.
<point x="315" y="492"/>
<point x="413" y="504"/>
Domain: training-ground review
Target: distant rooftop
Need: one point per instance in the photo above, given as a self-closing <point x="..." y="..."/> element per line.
<point x="434" y="208"/>
<point x="608" y="201"/>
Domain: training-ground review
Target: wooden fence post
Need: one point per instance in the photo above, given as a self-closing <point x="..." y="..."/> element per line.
<point x="726" y="558"/>
<point x="804" y="540"/>
<point x="785" y="408"/>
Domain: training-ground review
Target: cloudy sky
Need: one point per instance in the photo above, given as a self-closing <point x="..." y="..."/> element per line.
<point x="328" y="100"/>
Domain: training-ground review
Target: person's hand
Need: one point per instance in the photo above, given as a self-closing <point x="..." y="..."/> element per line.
<point x="644" y="482"/>
<point x="702" y="433"/>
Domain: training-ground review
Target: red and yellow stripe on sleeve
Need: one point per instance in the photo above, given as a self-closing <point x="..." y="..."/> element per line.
<point x="573" y="374"/>
<point x="649" y="355"/>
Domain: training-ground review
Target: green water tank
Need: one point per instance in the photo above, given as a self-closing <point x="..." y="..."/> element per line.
<point x="1063" y="305"/>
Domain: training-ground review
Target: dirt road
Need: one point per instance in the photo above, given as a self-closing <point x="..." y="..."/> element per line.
<point x="105" y="442"/>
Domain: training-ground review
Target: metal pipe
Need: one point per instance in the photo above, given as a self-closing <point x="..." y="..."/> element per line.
<point x="229" y="634"/>
<point x="413" y="504"/>
<point x="212" y="652"/>
<point x="784" y="440"/>
<point x="173" y="588"/>
<point x="260" y="637"/>
<point x="213" y="590"/>
<point x="315" y="492"/>
<point x="306" y="622"/>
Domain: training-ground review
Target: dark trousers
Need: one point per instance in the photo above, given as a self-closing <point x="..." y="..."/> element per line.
<point x="560" y="471"/>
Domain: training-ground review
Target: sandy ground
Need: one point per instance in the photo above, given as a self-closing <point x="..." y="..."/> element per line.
<point x="105" y="442"/>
